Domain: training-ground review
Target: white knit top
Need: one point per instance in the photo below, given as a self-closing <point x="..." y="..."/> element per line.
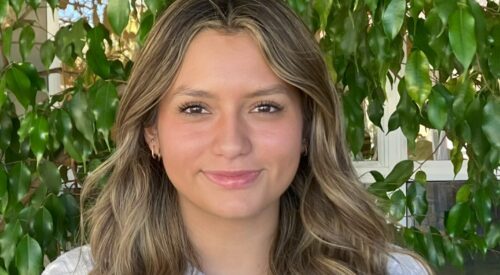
<point x="79" y="262"/>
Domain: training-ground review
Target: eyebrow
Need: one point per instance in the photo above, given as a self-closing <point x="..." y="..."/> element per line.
<point x="274" y="89"/>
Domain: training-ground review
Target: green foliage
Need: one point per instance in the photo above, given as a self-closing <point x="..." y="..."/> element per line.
<point x="443" y="56"/>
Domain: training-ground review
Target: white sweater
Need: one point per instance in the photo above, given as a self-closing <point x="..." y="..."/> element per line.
<point x="79" y="262"/>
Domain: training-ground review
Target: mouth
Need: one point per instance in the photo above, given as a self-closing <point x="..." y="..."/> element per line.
<point x="233" y="179"/>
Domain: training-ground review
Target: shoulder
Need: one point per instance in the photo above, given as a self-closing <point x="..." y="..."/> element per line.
<point x="404" y="264"/>
<point x="77" y="261"/>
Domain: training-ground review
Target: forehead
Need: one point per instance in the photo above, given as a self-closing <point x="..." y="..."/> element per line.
<point x="222" y="61"/>
<point x="213" y="52"/>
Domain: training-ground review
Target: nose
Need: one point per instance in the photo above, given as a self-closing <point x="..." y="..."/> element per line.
<point x="232" y="137"/>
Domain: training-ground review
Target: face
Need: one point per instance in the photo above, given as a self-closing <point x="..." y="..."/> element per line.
<point x="229" y="131"/>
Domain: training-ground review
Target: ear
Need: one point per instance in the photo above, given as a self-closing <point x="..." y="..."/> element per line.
<point x="151" y="137"/>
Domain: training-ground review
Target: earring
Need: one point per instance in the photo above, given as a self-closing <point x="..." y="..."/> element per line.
<point x="155" y="155"/>
<point x="304" y="145"/>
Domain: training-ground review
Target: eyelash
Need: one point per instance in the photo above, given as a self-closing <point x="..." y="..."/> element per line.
<point x="185" y="107"/>
<point x="271" y="104"/>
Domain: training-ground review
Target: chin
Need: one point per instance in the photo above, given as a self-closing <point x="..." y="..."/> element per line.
<point x="240" y="210"/>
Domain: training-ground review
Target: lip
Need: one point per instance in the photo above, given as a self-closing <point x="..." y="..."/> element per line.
<point x="233" y="179"/>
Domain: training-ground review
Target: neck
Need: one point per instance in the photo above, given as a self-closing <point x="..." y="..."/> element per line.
<point x="232" y="246"/>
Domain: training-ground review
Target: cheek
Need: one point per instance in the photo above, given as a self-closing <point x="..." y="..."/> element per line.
<point x="181" y="146"/>
<point x="280" y="146"/>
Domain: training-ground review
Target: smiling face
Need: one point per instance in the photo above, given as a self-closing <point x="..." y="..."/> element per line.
<point x="229" y="131"/>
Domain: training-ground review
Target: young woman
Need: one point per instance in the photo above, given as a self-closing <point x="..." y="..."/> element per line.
<point x="231" y="158"/>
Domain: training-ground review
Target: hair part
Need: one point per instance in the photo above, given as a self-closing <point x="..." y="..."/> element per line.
<point x="328" y="223"/>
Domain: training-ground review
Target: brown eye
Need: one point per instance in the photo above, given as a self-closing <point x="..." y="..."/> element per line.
<point x="193" y="109"/>
<point x="267" y="107"/>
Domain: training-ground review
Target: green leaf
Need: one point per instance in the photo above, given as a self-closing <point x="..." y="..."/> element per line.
<point x="401" y="173"/>
<point x="393" y="17"/>
<point x="103" y="99"/>
<point x="458" y="217"/>
<point x="38" y="198"/>
<point x="437" y="111"/>
<point x="437" y="239"/>
<point x="8" y="240"/>
<point x="491" y="125"/>
<point x="408" y="116"/>
<point x="34" y="3"/>
<point x="377" y="176"/>
<point x="323" y="8"/>
<point x="465" y="95"/>
<point x="479" y="244"/>
<point x="26" y="216"/>
<point x="72" y="212"/>
<point x="118" y="12"/>
<point x="29" y="256"/>
<point x="17" y="5"/>
<point x="81" y="116"/>
<point x="393" y="122"/>
<point x="493" y="235"/>
<point x="63" y="124"/>
<point x="64" y="46"/>
<point x="3" y="92"/>
<point x="155" y="5"/>
<point x="456" y="157"/>
<point x="417" y="200"/>
<point x="53" y="3"/>
<point x="97" y="35"/>
<point x="430" y="248"/>
<point x="98" y="62"/>
<point x="462" y="36"/>
<point x="146" y="24"/>
<point x="355" y="122"/>
<point x="26" y="41"/>
<point x="372" y="4"/>
<point x="7" y="41"/>
<point x="47" y="53"/>
<point x="376" y="111"/>
<point x="416" y="7"/>
<point x="43" y="226"/>
<point x="4" y="194"/>
<point x="26" y="126"/>
<point x="64" y="132"/>
<point x="82" y="147"/>
<point x="409" y="237"/>
<point x="56" y="208"/>
<point x="398" y="206"/>
<point x="453" y="253"/>
<point x="421" y="178"/>
<point x="417" y="79"/>
<point x="19" y="83"/>
<point x="39" y="137"/>
<point x="7" y="128"/>
<point x="19" y="181"/>
<point x="4" y="8"/>
<point x="37" y="82"/>
<point x="482" y="206"/>
<point x="49" y="176"/>
<point x="463" y="193"/>
<point x="494" y="62"/>
<point x="348" y="34"/>
<point x="445" y="8"/>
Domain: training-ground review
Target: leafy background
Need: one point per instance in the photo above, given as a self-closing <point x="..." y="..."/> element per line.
<point x="442" y="55"/>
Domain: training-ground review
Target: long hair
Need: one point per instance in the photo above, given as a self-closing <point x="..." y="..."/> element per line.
<point x="328" y="223"/>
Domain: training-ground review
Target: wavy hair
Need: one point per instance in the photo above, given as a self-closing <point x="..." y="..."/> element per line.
<point x="328" y="223"/>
